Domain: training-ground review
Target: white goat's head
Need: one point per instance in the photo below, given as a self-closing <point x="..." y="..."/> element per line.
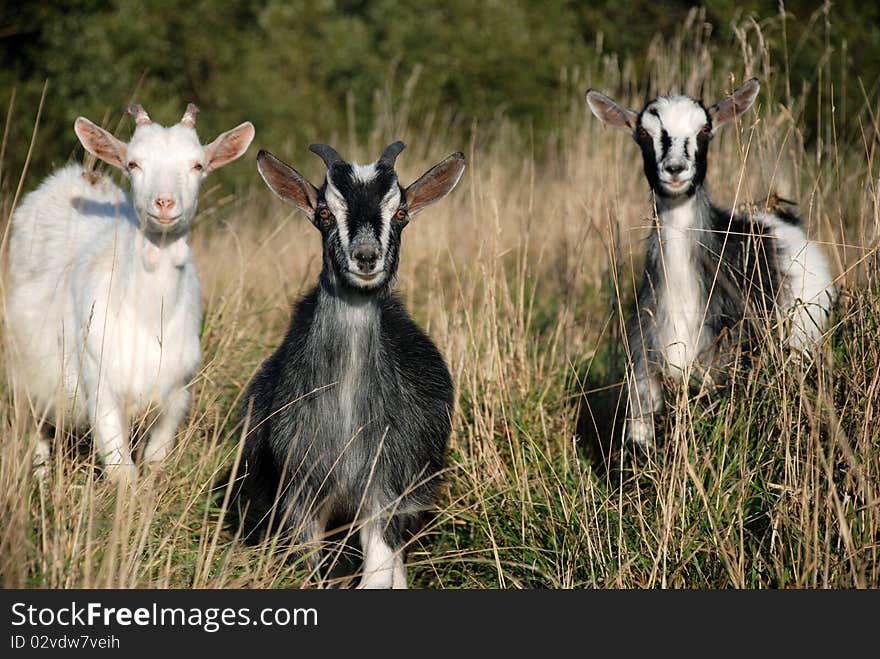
<point x="166" y="165"/>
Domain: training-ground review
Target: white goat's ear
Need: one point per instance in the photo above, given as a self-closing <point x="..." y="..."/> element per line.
<point x="229" y="146"/>
<point x="735" y="104"/>
<point x="436" y="183"/>
<point x="611" y="112"/>
<point x="287" y="183"/>
<point x="100" y="143"/>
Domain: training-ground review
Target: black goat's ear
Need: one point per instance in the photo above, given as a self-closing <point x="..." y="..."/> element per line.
<point x="287" y="183"/>
<point x="735" y="104"/>
<point x="611" y="112"/>
<point x="436" y="183"/>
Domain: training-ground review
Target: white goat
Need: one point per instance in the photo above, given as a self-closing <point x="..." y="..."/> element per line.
<point x="104" y="303"/>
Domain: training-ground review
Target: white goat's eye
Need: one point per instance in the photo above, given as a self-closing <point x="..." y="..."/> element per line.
<point x="132" y="165"/>
<point x="198" y="167"/>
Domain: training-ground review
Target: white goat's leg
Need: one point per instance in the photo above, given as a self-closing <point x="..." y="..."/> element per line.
<point x="33" y="434"/>
<point x="383" y="567"/>
<point x="112" y="441"/>
<point x="165" y="427"/>
<point x="42" y="458"/>
<point x="645" y="399"/>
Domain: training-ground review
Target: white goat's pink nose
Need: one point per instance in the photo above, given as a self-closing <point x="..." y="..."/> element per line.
<point x="164" y="203"/>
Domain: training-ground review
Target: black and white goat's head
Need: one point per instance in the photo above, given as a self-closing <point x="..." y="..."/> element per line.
<point x="674" y="133"/>
<point x="166" y="165"/>
<point x="360" y="210"/>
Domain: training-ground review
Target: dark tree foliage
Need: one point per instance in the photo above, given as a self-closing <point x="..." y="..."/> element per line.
<point x="297" y="67"/>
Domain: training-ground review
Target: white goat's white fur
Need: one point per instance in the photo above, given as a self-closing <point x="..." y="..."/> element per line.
<point x="103" y="309"/>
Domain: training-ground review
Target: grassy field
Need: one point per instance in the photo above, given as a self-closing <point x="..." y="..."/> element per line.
<point x="521" y="276"/>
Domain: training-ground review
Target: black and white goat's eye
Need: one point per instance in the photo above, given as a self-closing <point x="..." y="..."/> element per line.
<point x="642" y="134"/>
<point x="400" y="215"/>
<point x="132" y="165"/>
<point x="325" y="214"/>
<point x="706" y="130"/>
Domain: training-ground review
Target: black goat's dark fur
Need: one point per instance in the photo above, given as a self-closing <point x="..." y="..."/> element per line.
<point x="348" y="420"/>
<point x="297" y="446"/>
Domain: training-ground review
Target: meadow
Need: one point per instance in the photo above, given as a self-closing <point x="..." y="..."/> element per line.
<point x="522" y="277"/>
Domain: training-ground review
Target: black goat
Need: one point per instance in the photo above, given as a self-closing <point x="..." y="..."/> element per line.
<point x="350" y="417"/>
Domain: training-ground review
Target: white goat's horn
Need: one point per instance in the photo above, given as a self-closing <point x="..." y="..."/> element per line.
<point x="141" y="118"/>
<point x="189" y="117"/>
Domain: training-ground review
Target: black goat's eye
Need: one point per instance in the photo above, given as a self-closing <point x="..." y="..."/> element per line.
<point x="400" y="215"/>
<point x="324" y="214"/>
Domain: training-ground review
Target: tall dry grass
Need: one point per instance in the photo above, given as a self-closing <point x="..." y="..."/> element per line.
<point x="521" y="277"/>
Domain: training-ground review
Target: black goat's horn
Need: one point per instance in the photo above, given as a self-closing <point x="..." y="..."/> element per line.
<point x="389" y="155"/>
<point x="327" y="153"/>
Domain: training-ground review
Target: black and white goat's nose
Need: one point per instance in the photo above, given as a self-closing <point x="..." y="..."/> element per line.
<point x="674" y="168"/>
<point x="366" y="257"/>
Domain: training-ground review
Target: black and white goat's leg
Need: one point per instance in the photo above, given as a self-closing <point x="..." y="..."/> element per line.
<point x="644" y="388"/>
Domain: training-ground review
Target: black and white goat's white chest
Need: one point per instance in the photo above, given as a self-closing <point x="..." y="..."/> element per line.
<point x="681" y="297"/>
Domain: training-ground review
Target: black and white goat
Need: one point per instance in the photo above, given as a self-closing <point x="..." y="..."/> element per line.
<point x="349" y="418"/>
<point x="714" y="280"/>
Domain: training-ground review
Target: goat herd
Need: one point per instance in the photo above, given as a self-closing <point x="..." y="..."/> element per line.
<point x="347" y="421"/>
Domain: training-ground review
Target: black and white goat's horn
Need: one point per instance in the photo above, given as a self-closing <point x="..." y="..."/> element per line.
<point x="327" y="153"/>
<point x="389" y="155"/>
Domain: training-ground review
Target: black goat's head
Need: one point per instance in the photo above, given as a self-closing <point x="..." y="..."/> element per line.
<point x="360" y="209"/>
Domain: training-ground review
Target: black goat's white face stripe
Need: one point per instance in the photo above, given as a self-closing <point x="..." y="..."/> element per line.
<point x="364" y="173"/>
<point x="337" y="205"/>
<point x="377" y="211"/>
<point x="387" y="208"/>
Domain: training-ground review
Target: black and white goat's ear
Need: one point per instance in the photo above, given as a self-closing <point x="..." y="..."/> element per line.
<point x="436" y="183"/>
<point x="735" y="104"/>
<point x="287" y="183"/>
<point x="611" y="112"/>
<point x="101" y="143"/>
